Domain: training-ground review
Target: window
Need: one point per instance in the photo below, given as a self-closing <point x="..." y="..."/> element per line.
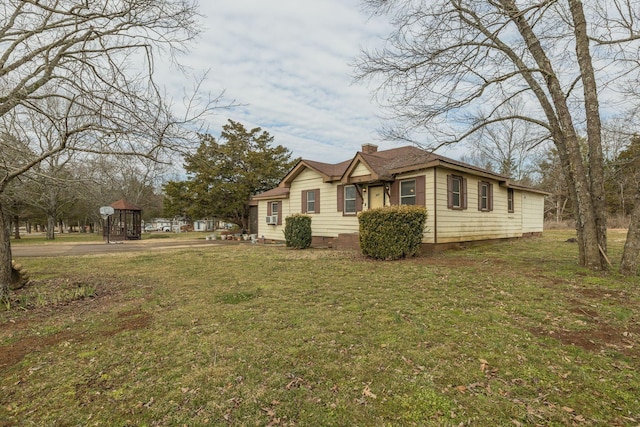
<point x="311" y="201"/>
<point x="274" y="211"/>
<point x="350" y="195"/>
<point x="485" y="196"/>
<point x="456" y="192"/>
<point x="408" y="192"/>
<point x="510" y="200"/>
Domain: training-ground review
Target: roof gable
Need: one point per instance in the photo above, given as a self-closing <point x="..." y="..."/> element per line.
<point x="329" y="172"/>
<point x="383" y="164"/>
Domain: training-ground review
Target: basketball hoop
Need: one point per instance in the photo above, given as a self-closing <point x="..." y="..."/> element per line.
<point x="105" y="213"/>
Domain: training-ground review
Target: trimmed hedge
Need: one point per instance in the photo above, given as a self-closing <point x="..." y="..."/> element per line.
<point x="297" y="231"/>
<point x="392" y="232"/>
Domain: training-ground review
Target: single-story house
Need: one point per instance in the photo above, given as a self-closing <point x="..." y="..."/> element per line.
<point x="204" y="225"/>
<point x="465" y="203"/>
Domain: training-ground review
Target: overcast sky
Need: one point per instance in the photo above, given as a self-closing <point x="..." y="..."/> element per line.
<point x="289" y="63"/>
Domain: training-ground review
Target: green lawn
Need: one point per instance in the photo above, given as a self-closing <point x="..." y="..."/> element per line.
<point x="500" y="335"/>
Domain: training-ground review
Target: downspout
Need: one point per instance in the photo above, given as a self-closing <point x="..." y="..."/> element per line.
<point x="435" y="206"/>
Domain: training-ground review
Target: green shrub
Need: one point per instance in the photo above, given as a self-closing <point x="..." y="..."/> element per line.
<point x="297" y="231"/>
<point x="392" y="232"/>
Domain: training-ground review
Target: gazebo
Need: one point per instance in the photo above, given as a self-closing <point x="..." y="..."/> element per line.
<point x="125" y="223"/>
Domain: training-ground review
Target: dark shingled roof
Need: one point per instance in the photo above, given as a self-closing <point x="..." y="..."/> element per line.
<point x="274" y="193"/>
<point x="383" y="164"/>
<point x="328" y="169"/>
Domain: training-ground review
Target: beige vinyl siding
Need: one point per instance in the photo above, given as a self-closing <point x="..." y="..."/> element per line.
<point x="329" y="222"/>
<point x="360" y="170"/>
<point x="472" y="224"/>
<point x="272" y="232"/>
<point x="429" y="197"/>
<point x="532" y="212"/>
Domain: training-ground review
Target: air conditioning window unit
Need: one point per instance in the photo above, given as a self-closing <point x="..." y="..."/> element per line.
<point x="272" y="219"/>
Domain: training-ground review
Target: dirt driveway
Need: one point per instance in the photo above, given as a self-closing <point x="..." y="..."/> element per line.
<point x="83" y="248"/>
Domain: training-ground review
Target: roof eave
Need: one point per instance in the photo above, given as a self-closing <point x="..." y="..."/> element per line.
<point x="270" y="197"/>
<point x="452" y="165"/>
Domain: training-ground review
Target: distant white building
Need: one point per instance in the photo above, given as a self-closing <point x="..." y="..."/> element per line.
<point x="204" y="225"/>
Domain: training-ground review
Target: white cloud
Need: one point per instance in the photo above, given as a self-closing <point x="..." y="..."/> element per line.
<point x="289" y="63"/>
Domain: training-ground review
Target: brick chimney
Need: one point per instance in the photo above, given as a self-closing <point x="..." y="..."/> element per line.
<point x="369" y="148"/>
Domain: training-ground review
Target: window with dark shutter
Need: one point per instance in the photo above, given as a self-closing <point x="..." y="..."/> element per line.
<point x="456" y="192"/>
<point x="412" y="191"/>
<point x="310" y="201"/>
<point x="485" y="196"/>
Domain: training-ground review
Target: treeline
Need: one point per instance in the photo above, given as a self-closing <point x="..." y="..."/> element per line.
<point x="64" y="193"/>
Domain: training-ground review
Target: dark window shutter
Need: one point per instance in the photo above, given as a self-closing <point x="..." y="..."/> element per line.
<point x="340" y="198"/>
<point x="279" y="213"/>
<point x="317" y="200"/>
<point x="395" y="193"/>
<point x="358" y="199"/>
<point x="480" y="195"/>
<point x="464" y="193"/>
<point x="490" y="197"/>
<point x="420" y="191"/>
<point x="450" y="192"/>
<point x="268" y="208"/>
<point x="303" y="209"/>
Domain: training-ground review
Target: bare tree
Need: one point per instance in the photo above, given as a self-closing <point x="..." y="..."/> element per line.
<point x="629" y="262"/>
<point x="87" y="67"/>
<point x="553" y="181"/>
<point x="451" y="65"/>
<point x="509" y="145"/>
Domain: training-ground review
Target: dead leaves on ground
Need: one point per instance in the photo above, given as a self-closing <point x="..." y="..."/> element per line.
<point x="538" y="410"/>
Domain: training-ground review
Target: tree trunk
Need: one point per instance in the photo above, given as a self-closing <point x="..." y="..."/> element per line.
<point x="629" y="263"/>
<point x="51" y="227"/>
<point x="586" y="226"/>
<point x="16" y="227"/>
<point x="594" y="126"/>
<point x="5" y="257"/>
<point x="566" y="141"/>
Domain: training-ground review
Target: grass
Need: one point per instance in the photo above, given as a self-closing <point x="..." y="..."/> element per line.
<point x="507" y="334"/>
